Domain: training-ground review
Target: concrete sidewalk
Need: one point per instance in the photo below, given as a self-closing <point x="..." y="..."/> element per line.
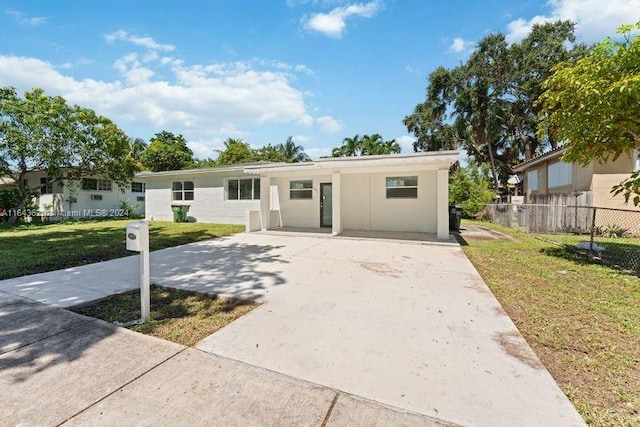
<point x="58" y="367"/>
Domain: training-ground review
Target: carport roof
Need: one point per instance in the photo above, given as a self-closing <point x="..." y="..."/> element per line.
<point x="430" y="159"/>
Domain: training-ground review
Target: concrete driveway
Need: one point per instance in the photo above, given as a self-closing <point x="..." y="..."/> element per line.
<point x="406" y="324"/>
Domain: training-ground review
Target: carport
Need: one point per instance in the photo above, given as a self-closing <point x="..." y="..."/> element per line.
<point x="397" y="193"/>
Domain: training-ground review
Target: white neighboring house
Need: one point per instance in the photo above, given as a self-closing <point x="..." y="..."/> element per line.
<point x="89" y="197"/>
<point x="398" y="192"/>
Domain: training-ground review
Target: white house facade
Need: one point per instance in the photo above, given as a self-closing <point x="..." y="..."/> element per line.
<point x="87" y="197"/>
<point x="407" y="193"/>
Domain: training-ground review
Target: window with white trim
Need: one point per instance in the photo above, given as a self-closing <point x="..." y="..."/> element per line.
<point x="402" y="187"/>
<point x="93" y="184"/>
<point x="532" y="180"/>
<point x="300" y="190"/>
<point x="137" y="187"/>
<point x="243" y="189"/>
<point x="182" y="190"/>
<point x="46" y="185"/>
<point x="560" y="174"/>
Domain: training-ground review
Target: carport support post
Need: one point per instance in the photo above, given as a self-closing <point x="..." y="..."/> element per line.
<point x="442" y="203"/>
<point x="265" y="203"/>
<point x="336" y="211"/>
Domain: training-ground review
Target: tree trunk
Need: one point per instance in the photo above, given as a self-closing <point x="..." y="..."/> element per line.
<point x="13" y="218"/>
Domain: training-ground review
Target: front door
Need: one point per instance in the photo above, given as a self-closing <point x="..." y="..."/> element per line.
<point x="325" y="204"/>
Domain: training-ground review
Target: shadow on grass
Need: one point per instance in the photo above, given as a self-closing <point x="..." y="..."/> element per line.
<point x="621" y="257"/>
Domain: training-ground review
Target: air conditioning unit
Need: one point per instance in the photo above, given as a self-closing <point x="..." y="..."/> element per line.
<point x="140" y="198"/>
<point x="96" y="197"/>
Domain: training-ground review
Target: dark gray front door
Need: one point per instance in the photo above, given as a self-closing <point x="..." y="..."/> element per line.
<point x="325" y="204"/>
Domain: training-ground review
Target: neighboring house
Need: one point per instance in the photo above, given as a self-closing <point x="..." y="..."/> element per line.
<point x="383" y="193"/>
<point x="549" y="180"/>
<point x="85" y="198"/>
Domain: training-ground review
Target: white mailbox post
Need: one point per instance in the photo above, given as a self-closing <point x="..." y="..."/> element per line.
<point x="138" y="240"/>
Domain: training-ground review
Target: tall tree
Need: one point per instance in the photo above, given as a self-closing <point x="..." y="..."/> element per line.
<point x="167" y="151"/>
<point x="594" y="105"/>
<point x="488" y="104"/>
<point x="291" y="152"/>
<point x="366" y="145"/>
<point x="44" y="133"/>
<point x="236" y="151"/>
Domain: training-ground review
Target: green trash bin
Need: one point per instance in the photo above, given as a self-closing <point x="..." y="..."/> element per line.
<point x="180" y="213"/>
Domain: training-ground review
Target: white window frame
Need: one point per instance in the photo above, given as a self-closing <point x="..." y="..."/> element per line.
<point x="100" y="184"/>
<point x="181" y="194"/>
<point x="559" y="174"/>
<point x="142" y="187"/>
<point x="532" y="183"/>
<point x="306" y="190"/>
<point x="46" y="185"/>
<point x="406" y="191"/>
<point x="255" y="189"/>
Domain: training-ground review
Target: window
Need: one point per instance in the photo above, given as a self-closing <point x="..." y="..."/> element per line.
<point x="532" y="180"/>
<point x="560" y="174"/>
<point x="243" y="189"/>
<point x="182" y="190"/>
<point x="636" y="160"/>
<point x="137" y="187"/>
<point x="46" y="185"/>
<point x="402" y="187"/>
<point x="93" y="184"/>
<point x="301" y="189"/>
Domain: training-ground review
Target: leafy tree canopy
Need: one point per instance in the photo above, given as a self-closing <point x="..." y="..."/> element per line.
<point x="43" y="133"/>
<point x="237" y="151"/>
<point x="366" y="145"/>
<point x="594" y="105"/>
<point x="470" y="188"/>
<point x="165" y="152"/>
<point x="487" y="105"/>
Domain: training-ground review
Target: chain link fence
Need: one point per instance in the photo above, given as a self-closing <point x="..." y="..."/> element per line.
<point x="610" y="235"/>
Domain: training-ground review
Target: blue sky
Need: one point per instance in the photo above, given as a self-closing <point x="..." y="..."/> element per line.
<point x="317" y="70"/>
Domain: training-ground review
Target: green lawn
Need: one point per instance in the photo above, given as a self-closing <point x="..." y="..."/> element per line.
<point x="180" y="316"/>
<point x="28" y="249"/>
<point x="580" y="317"/>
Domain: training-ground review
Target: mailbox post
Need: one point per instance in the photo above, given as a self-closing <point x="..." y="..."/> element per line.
<point x="138" y="240"/>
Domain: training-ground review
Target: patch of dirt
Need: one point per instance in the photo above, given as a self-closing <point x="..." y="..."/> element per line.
<point x="382" y="268"/>
<point x="515" y="346"/>
<point x="474" y="232"/>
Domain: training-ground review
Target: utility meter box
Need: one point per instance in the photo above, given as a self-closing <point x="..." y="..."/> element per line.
<point x="138" y="236"/>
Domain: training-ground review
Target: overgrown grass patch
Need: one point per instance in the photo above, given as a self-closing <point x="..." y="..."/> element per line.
<point x="582" y="319"/>
<point x="184" y="317"/>
<point x="28" y="249"/>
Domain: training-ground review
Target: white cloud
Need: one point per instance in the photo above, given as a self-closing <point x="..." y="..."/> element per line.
<point x="595" y="19"/>
<point x="406" y="143"/>
<point x="460" y="45"/>
<point x="333" y="24"/>
<point x="146" y="42"/>
<point x="202" y="150"/>
<point x="330" y="124"/>
<point x="204" y="100"/>
<point x="22" y="19"/>
<point x="413" y="70"/>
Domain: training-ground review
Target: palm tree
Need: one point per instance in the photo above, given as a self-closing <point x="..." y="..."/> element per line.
<point x="291" y="152"/>
<point x="350" y="147"/>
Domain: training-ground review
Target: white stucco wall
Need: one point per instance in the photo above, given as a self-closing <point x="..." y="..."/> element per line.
<point x="366" y="207"/>
<point x="210" y="204"/>
<point x="300" y="212"/>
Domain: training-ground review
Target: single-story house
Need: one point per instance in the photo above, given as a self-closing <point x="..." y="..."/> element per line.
<point x="89" y="197"/>
<point x="383" y="193"/>
<point x="549" y="180"/>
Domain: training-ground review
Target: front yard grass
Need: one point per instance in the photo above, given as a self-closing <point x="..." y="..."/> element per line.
<point x="184" y="317"/>
<point x="29" y="249"/>
<point x="581" y="318"/>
